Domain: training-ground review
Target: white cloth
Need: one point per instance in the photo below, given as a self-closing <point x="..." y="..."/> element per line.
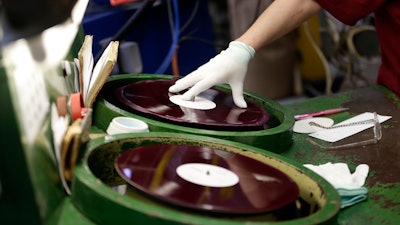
<point x="230" y="66"/>
<point x="339" y="175"/>
<point x="349" y="186"/>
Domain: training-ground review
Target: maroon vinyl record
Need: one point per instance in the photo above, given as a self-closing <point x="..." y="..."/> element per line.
<point x="205" y="178"/>
<point x="151" y="97"/>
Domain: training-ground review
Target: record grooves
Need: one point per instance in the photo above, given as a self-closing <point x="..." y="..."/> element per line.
<point x="152" y="99"/>
<point x="212" y="180"/>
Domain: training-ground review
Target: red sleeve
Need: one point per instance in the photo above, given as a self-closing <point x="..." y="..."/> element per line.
<point x="350" y="11"/>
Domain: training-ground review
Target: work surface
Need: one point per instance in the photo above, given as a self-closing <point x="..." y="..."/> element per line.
<point x="383" y="181"/>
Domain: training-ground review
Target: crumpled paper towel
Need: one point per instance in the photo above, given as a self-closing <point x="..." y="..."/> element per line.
<point x="349" y="185"/>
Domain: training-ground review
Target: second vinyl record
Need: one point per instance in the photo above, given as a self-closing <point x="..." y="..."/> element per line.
<point x="205" y="178"/>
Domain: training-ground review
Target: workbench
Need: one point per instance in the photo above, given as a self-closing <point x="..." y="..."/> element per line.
<point x="383" y="158"/>
<point x="383" y="182"/>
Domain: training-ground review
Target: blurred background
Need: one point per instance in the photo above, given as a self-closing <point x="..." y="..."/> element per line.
<point x="175" y="37"/>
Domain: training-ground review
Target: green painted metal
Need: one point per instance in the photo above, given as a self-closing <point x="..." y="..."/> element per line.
<point x="30" y="186"/>
<point x="381" y="207"/>
<point x="95" y="178"/>
<point x="278" y="138"/>
<point x="67" y="214"/>
<point x="17" y="192"/>
<point x="28" y="171"/>
<point x="383" y="203"/>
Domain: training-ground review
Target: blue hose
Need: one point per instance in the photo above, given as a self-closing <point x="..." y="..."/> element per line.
<point x="163" y="67"/>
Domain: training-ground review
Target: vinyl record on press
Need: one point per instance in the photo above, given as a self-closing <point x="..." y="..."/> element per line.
<point x="207" y="179"/>
<point x="151" y="98"/>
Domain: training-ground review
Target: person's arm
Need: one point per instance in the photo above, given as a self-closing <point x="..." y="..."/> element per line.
<point x="230" y="66"/>
<point x="281" y="17"/>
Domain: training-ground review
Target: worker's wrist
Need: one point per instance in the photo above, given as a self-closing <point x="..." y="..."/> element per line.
<point x="238" y="44"/>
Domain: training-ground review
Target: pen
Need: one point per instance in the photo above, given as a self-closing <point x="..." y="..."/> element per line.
<point x="321" y="113"/>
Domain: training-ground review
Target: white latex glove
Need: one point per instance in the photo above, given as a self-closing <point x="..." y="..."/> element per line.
<point x="230" y="66"/>
<point x="339" y="175"/>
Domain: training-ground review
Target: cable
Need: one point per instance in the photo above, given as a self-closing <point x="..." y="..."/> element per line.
<point x="175" y="64"/>
<point x="164" y="65"/>
<point x="127" y="27"/>
<point x="170" y="18"/>
<point x="132" y="20"/>
<point x="191" y="17"/>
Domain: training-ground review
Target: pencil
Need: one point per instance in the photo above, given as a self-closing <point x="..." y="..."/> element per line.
<point x="320" y="113"/>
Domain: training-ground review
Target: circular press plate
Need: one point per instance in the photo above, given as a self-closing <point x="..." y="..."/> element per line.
<point x="205" y="178"/>
<point x="151" y="97"/>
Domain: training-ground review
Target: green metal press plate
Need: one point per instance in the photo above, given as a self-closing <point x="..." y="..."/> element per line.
<point x="95" y="181"/>
<point x="278" y="138"/>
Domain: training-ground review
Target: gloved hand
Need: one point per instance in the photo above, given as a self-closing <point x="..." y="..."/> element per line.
<point x="230" y="66"/>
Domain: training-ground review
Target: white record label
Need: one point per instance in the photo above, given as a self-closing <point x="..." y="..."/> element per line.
<point x="198" y="103"/>
<point x="207" y="175"/>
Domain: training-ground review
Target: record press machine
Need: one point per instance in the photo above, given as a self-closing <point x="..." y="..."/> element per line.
<point x="58" y="165"/>
<point x="180" y="172"/>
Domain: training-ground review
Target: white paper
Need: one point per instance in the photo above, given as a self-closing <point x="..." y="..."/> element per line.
<point x="337" y="134"/>
<point x="87" y="68"/>
<point x="59" y="126"/>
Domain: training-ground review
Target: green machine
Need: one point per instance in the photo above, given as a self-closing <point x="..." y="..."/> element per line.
<point x="276" y="138"/>
<point x="32" y="190"/>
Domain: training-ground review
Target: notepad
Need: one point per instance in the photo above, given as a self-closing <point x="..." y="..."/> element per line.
<point x="93" y="76"/>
